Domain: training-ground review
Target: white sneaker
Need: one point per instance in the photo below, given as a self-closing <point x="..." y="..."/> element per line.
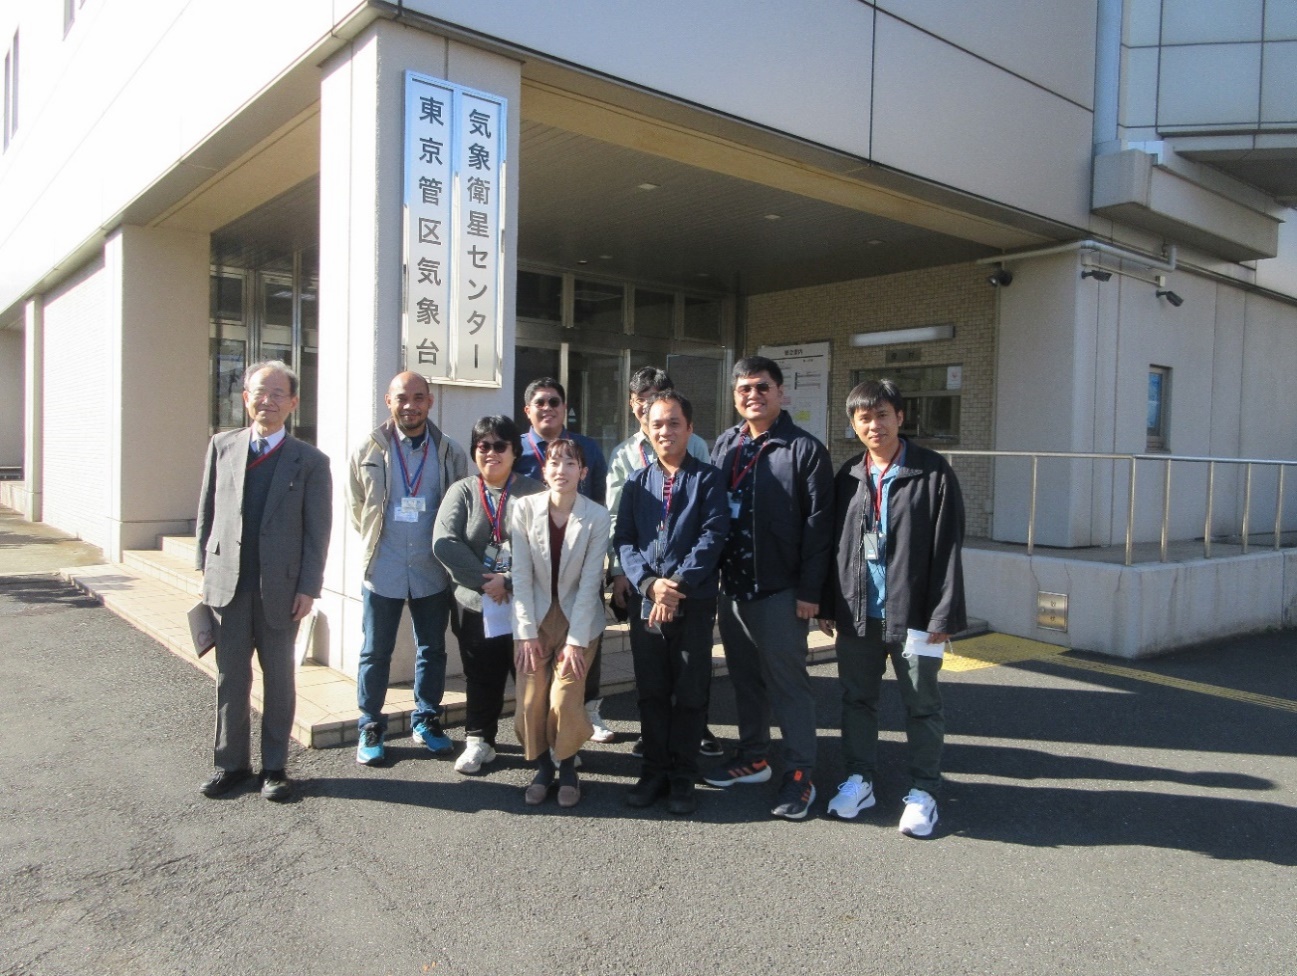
<point x="601" y="732"/>
<point x="853" y="796"/>
<point x="477" y="753"/>
<point x="577" y="761"/>
<point x="920" y="814"/>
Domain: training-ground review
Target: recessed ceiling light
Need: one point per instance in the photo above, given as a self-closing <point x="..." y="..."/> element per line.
<point x="773" y="217"/>
<point x="875" y="242"/>
<point x="648" y="186"/>
<point x="582" y="261"/>
<point x="703" y="274"/>
<point x="605" y="257"/>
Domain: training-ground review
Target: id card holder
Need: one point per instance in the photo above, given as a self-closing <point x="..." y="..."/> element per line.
<point x="407" y="510"/>
<point x="869" y="543"/>
<point x="736" y="502"/>
<point x="645" y="608"/>
<point x="496" y="557"/>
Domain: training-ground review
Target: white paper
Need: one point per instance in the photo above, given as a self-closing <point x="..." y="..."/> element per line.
<point x="497" y="618"/>
<point x="916" y="642"/>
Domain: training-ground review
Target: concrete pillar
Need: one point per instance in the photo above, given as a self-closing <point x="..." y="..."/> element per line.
<point x="158" y="398"/>
<point x="34" y="410"/>
<point x="361" y="198"/>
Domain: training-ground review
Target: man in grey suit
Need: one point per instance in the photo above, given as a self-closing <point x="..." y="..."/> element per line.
<point x="263" y="533"/>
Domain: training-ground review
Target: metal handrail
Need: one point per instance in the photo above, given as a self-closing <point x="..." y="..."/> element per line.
<point x="1168" y="460"/>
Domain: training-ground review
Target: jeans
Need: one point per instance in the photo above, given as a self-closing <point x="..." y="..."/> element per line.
<point x="861" y="663"/>
<point x="382" y="616"/>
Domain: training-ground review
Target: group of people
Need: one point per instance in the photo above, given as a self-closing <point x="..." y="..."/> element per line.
<point x="756" y="534"/>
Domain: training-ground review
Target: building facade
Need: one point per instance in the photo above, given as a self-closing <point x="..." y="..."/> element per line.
<point x="186" y="191"/>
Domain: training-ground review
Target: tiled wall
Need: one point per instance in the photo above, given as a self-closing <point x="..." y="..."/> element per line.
<point x="958" y="294"/>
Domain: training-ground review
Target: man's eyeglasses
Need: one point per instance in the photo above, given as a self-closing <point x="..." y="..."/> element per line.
<point x="744" y="389"/>
<point x="552" y="402"/>
<point x="255" y="395"/>
<point x="496" y="447"/>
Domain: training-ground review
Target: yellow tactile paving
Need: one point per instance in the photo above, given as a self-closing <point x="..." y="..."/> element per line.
<point x="1183" y="684"/>
<point x="989" y="650"/>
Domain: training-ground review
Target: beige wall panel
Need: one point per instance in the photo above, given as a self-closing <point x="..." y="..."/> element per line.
<point x="1279" y="82"/>
<point x="1050" y="44"/>
<point x="767" y="61"/>
<point x="1209" y="84"/>
<point x="1281" y="21"/>
<point x="77" y="415"/>
<point x="1207" y="21"/>
<point x="1143" y="22"/>
<point x="947" y="116"/>
<point x="1139" y="87"/>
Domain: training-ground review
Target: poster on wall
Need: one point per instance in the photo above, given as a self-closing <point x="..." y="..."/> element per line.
<point x="806" y="384"/>
<point x="453" y="309"/>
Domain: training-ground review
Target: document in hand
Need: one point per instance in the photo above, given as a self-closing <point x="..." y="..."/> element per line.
<point x="202" y="628"/>
<point x="916" y="642"/>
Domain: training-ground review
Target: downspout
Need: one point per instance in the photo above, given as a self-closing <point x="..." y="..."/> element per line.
<point x="1107" y="77"/>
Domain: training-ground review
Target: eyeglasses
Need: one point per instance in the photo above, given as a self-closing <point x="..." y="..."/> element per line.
<point x="496" y="447"/>
<point x="255" y="395"/>
<point x="743" y="390"/>
<point x="551" y="402"/>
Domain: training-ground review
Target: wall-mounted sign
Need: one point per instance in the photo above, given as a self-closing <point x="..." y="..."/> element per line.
<point x="806" y="384"/>
<point x="453" y="313"/>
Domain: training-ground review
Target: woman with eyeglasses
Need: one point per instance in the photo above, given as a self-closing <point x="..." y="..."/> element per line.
<point x="471" y="539"/>
<point x="560" y="540"/>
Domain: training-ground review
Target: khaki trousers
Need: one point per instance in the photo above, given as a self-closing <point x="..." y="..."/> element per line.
<point x="551" y="708"/>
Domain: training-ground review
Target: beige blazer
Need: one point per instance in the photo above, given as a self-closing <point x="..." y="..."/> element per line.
<point x="580" y="569"/>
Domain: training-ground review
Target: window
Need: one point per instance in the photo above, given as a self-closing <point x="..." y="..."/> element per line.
<point x="11" y="91"/>
<point x="540" y="297"/>
<point x="1159" y="406"/>
<point x="932" y="400"/>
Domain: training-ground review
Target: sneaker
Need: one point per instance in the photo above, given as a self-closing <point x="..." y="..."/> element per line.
<point x="477" y="753"/>
<point x="920" y="814"/>
<point x="601" y="732"/>
<point x="428" y="731"/>
<point x="796" y="794"/>
<point x="370" y="750"/>
<point x="853" y="796"/>
<point x="710" y="746"/>
<point x="756" y="771"/>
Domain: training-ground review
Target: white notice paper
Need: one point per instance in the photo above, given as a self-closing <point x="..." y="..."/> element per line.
<point x="497" y="618"/>
<point x="916" y="642"/>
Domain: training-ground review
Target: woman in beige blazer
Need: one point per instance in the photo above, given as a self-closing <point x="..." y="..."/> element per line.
<point x="559" y="542"/>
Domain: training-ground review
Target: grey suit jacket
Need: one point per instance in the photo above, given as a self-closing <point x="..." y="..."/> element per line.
<point x="580" y="569"/>
<point x="294" y="529"/>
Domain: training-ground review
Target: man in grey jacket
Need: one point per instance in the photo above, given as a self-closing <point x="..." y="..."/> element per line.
<point x="395" y="483"/>
<point x="897" y="592"/>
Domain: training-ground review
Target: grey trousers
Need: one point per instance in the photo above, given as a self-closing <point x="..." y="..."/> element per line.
<point x="243" y="627"/>
<point x="765" y="651"/>
<point x="861" y="663"/>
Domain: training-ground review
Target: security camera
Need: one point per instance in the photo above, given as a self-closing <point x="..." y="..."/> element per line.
<point x="1098" y="274"/>
<point x="1000" y="278"/>
<point x="1175" y="300"/>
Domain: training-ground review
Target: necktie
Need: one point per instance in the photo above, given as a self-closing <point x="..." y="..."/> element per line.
<point x="258" y="446"/>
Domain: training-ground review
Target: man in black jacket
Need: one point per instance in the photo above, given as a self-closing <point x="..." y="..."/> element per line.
<point x="776" y="561"/>
<point x="898" y="592"/>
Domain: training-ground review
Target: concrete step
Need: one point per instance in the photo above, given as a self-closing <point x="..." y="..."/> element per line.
<point x="976" y="627"/>
<point x="172" y="570"/>
<point x="181" y="546"/>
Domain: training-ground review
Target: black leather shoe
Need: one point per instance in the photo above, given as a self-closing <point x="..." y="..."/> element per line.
<point x="275" y="786"/>
<point x="224" y="780"/>
<point x="646" y="792"/>
<point x="683" y="799"/>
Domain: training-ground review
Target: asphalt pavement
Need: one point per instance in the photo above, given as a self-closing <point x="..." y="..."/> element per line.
<point x="1099" y="818"/>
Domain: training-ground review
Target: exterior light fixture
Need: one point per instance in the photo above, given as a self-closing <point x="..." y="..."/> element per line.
<point x="1098" y="274"/>
<point x="772" y="216"/>
<point x="1175" y="300"/>
<point x="923" y="333"/>
<point x="1000" y="278"/>
<point x="648" y="186"/>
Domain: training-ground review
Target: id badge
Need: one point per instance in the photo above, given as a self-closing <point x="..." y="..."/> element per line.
<point x="869" y="542"/>
<point x="415" y="503"/>
<point x="646" y="607"/>
<point x="496" y="558"/>
<point x="404" y="513"/>
<point x="736" y="503"/>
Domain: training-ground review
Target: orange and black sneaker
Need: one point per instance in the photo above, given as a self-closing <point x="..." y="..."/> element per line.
<point x="796" y="794"/>
<point x="738" y="771"/>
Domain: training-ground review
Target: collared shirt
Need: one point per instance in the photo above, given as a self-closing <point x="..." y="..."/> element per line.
<point x="535" y="449"/>
<point x="272" y="440"/>
<point x="631" y="455"/>
<point x="404" y="566"/>
<point x="877" y="584"/>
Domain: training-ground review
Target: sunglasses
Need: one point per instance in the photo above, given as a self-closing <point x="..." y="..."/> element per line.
<point x="762" y="388"/>
<point x="497" y="447"/>
<point x="551" y="402"/>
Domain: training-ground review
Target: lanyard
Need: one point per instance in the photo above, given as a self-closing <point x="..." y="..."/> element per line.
<point x="265" y="454"/>
<point x="531" y="439"/>
<point x="643" y="454"/>
<point x="737" y="476"/>
<point x="878" y="497"/>
<point x="668" y="482"/>
<point x="405" y="472"/>
<point x="494" y="516"/>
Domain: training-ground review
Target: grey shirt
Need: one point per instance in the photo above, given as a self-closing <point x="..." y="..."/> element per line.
<point x="404" y="566"/>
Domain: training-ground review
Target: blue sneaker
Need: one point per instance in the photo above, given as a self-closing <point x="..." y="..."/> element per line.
<point x="428" y="731"/>
<point x="370" y="750"/>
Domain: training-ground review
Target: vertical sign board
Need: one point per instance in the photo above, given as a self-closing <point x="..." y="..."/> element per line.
<point x="806" y="384"/>
<point x="453" y="312"/>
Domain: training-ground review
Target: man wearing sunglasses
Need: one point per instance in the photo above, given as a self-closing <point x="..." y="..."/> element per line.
<point x="545" y="404"/>
<point x="776" y="559"/>
<point x="396" y="482"/>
